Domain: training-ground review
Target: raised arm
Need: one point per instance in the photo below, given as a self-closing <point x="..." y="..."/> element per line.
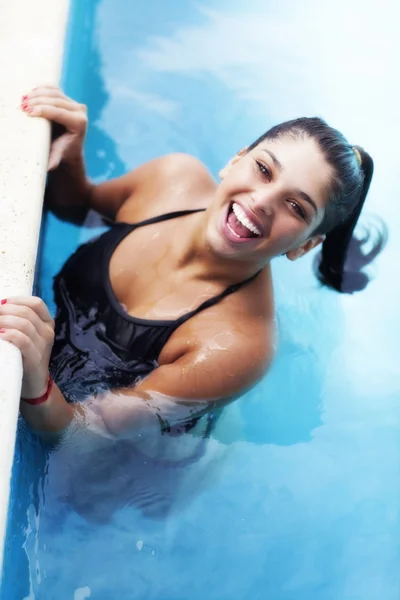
<point x="69" y="191"/>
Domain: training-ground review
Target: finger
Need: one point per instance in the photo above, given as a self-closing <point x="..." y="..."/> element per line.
<point x="53" y="162"/>
<point x="57" y="151"/>
<point x="75" y="121"/>
<point x="54" y="101"/>
<point x="44" y="328"/>
<point x="32" y="302"/>
<point x="46" y="90"/>
<point x="25" y="327"/>
<point x="21" y="341"/>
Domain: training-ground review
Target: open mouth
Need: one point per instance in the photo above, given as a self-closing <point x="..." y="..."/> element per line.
<point x="238" y="226"/>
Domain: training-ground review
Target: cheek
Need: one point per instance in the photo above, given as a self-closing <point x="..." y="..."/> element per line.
<point x="286" y="232"/>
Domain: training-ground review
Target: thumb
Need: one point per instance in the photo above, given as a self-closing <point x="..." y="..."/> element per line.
<point x="57" y="152"/>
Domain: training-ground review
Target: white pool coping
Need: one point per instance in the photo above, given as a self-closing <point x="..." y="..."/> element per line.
<point x="32" y="35"/>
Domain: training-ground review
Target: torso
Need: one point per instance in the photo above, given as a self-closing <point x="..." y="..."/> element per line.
<point x="154" y="291"/>
<point x="146" y="285"/>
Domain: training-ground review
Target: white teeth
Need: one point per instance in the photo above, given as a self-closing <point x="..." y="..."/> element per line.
<point x="241" y="216"/>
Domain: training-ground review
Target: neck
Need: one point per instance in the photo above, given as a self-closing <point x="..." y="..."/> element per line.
<point x="195" y="254"/>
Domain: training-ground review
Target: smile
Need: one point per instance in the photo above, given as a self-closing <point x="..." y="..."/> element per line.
<point x="238" y="226"/>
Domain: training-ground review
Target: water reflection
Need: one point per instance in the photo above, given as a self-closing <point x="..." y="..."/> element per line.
<point x="157" y="476"/>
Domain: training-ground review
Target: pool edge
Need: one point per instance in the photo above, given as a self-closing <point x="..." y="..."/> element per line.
<point x="31" y="53"/>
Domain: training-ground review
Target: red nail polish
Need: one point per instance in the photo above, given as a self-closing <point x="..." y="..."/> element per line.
<point x="24" y="98"/>
<point x="29" y="110"/>
<point x="24" y="106"/>
<point x="4" y="301"/>
<point x="2" y="330"/>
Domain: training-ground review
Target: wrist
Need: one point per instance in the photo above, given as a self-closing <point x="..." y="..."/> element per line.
<point x="40" y="399"/>
<point x="34" y="387"/>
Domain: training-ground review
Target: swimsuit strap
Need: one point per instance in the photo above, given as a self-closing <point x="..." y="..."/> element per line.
<point x="164" y="217"/>
<point x="211" y="301"/>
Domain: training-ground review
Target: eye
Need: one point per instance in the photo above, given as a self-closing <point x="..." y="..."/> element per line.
<point x="299" y="210"/>
<point x="264" y="170"/>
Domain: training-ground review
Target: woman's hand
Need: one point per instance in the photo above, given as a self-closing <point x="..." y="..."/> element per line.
<point x="27" y="323"/>
<point x="52" y="104"/>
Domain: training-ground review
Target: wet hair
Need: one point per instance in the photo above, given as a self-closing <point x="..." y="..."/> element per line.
<point x="352" y="170"/>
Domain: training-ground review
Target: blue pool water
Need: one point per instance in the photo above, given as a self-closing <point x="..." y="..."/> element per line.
<point x="296" y="495"/>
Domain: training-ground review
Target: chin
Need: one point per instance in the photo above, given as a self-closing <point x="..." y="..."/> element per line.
<point x="216" y="244"/>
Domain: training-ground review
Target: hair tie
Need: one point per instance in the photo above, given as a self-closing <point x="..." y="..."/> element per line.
<point x="358" y="155"/>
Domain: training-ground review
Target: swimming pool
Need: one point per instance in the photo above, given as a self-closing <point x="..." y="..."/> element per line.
<point x="296" y="493"/>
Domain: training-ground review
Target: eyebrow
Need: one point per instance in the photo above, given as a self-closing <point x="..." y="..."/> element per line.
<point x="276" y="162"/>
<point x="299" y="193"/>
<point x="307" y="198"/>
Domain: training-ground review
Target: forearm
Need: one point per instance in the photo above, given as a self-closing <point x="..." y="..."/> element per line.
<point x="112" y="415"/>
<point x="52" y="416"/>
<point x="125" y="413"/>
<point x="69" y="189"/>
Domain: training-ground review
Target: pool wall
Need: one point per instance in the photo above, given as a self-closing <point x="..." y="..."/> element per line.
<point x="31" y="51"/>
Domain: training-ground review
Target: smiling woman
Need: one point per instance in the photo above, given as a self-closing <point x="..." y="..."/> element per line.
<point x="155" y="335"/>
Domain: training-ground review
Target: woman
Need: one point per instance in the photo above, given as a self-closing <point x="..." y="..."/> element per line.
<point x="170" y="314"/>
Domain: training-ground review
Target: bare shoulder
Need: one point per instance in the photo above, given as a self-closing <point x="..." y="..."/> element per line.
<point x="171" y="182"/>
<point x="237" y="337"/>
<point x="180" y="171"/>
<point x="179" y="161"/>
<point x="236" y="357"/>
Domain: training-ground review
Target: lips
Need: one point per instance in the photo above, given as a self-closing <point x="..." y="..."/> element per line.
<point x="240" y="225"/>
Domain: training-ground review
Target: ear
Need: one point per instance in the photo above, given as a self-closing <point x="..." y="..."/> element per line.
<point x="225" y="170"/>
<point x="310" y="244"/>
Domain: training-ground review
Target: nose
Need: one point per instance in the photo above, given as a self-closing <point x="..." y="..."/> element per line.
<point x="262" y="206"/>
<point x="263" y="203"/>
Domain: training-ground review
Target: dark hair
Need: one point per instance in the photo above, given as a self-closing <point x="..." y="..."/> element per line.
<point x="352" y="173"/>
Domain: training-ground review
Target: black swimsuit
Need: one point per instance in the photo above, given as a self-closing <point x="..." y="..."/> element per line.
<point x="98" y="346"/>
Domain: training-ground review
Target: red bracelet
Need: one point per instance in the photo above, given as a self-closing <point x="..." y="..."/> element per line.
<point x="41" y="399"/>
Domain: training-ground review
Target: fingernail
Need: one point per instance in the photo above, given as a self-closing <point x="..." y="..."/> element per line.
<point x="2" y="330"/>
<point x="24" y="106"/>
<point x="24" y="98"/>
<point x="4" y="301"/>
<point x="29" y="110"/>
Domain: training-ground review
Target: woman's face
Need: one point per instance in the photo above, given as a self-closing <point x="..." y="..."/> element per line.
<point x="269" y="201"/>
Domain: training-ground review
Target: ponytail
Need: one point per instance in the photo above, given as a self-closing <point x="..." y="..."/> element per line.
<point x="337" y="241"/>
<point x="351" y="174"/>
